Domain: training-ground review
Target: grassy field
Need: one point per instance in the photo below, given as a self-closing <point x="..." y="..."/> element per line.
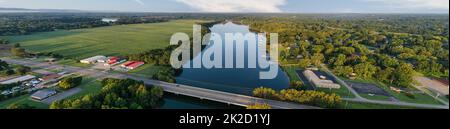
<point x="419" y="98"/>
<point x="147" y="70"/>
<point x="24" y="99"/>
<point x="112" y="40"/>
<point x="89" y="86"/>
<point x="355" y="105"/>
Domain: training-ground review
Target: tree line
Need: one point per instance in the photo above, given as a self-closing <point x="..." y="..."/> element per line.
<point x="116" y="94"/>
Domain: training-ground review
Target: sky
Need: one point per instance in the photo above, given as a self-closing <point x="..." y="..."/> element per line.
<point x="272" y="6"/>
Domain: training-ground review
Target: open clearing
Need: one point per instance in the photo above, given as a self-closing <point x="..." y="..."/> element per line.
<point x="112" y="40"/>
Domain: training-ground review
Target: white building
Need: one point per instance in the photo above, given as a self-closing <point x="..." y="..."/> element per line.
<point x="19" y="79"/>
<point x="321" y="83"/>
<point x="109" y="20"/>
<point x="93" y="60"/>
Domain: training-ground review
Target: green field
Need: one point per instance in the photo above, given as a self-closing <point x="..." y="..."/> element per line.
<point x="89" y="86"/>
<point x="24" y="99"/>
<point x="419" y="98"/>
<point x="112" y="40"/>
<point x="356" y="105"/>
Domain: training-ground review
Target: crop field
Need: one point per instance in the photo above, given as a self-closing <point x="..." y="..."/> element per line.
<point x="112" y="40"/>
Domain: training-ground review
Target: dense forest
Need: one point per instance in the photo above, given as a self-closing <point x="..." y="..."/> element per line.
<point x="389" y="48"/>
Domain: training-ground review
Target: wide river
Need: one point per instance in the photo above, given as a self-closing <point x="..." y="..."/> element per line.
<point x="234" y="80"/>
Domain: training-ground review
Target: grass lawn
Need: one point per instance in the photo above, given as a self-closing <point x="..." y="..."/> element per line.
<point x="147" y="70"/>
<point x="419" y="98"/>
<point x="291" y="72"/>
<point x="89" y="86"/>
<point x="356" y="105"/>
<point x="24" y="99"/>
<point x="375" y="97"/>
<point x="111" y="40"/>
<point x="343" y="92"/>
<point x="71" y="62"/>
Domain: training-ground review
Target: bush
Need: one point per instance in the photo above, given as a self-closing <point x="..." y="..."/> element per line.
<point x="297" y="85"/>
<point x="20" y="106"/>
<point x="70" y="82"/>
<point x="315" y="98"/>
<point x="259" y="106"/>
<point x="266" y="93"/>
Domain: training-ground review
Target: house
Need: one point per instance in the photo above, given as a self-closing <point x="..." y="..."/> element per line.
<point x="19" y="79"/>
<point x="318" y="82"/>
<point x="43" y="94"/>
<point x="93" y="60"/>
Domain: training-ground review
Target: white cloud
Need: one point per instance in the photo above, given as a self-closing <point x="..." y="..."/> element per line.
<point x="235" y="5"/>
<point x="139" y="2"/>
<point x="416" y="4"/>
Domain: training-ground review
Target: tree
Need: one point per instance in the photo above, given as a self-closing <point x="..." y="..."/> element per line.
<point x="22" y="70"/>
<point x="385" y="75"/>
<point x="317" y="59"/>
<point x="365" y="70"/>
<point x="20" y="106"/>
<point x="343" y="71"/>
<point x="304" y="63"/>
<point x="70" y="82"/>
<point x="3" y="65"/>
<point x="403" y="75"/>
<point x="297" y="85"/>
<point x="263" y="92"/>
<point x="17" y="51"/>
<point x="259" y="106"/>
<point x="340" y="60"/>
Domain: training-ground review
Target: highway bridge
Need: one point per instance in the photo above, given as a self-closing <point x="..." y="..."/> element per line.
<point x="191" y="91"/>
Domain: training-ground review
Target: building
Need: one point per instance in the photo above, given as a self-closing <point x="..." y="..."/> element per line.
<point x="321" y="83"/>
<point x="110" y="20"/>
<point x="132" y="64"/>
<point x="43" y="94"/>
<point x="93" y="60"/>
<point x="19" y="79"/>
<point x="135" y="65"/>
<point x="50" y="77"/>
<point x="115" y="60"/>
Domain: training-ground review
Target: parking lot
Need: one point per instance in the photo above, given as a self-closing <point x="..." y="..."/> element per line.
<point x="367" y="88"/>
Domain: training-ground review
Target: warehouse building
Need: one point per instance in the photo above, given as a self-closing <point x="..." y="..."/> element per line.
<point x="93" y="60"/>
<point x="43" y="94"/>
<point x="321" y="83"/>
<point x="19" y="79"/>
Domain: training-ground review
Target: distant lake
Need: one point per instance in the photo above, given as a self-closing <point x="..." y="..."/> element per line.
<point x="235" y="80"/>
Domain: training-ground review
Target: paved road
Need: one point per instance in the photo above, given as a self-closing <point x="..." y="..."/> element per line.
<point x="62" y="95"/>
<point x="359" y="98"/>
<point x="219" y="96"/>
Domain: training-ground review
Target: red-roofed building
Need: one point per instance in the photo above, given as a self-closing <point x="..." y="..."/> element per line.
<point x="126" y="64"/>
<point x="135" y="65"/>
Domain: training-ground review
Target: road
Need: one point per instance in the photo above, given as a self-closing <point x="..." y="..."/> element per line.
<point x="427" y="84"/>
<point x="359" y="98"/>
<point x="207" y="94"/>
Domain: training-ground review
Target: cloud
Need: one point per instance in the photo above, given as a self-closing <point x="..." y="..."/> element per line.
<point x="139" y="2"/>
<point x="235" y="5"/>
<point x="416" y="4"/>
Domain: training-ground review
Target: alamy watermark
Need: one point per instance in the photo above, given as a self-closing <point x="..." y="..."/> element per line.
<point x="256" y="51"/>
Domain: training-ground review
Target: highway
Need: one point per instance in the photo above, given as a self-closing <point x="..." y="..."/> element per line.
<point x="201" y="93"/>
